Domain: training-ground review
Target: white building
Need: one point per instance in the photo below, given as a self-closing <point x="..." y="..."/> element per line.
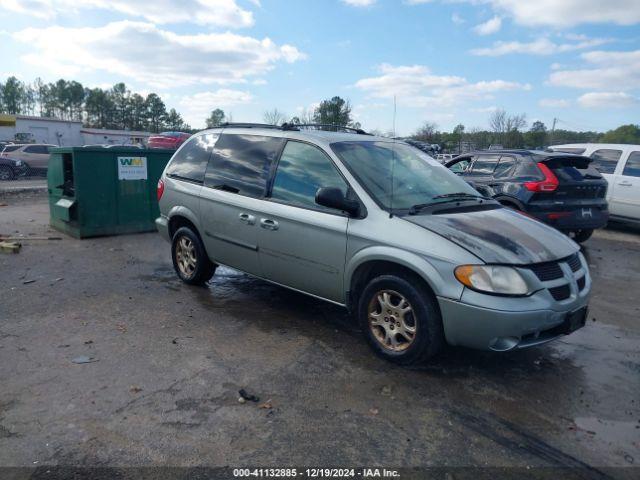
<point x="102" y="136"/>
<point x="25" y="128"/>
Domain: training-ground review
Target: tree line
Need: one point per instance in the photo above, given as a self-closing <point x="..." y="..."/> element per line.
<point x="119" y="108"/>
<point x="511" y="131"/>
<point x="116" y="107"/>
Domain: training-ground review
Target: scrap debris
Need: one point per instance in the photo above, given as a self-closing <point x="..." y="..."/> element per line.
<point x="10" y="247"/>
<point x="247" y="397"/>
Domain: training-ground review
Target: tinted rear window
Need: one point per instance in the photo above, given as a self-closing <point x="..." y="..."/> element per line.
<point x="241" y="163"/>
<point x="190" y="162"/>
<point x="605" y="160"/>
<point x="504" y="167"/>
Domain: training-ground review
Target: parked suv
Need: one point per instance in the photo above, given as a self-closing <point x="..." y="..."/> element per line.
<point x="560" y="189"/>
<point x="34" y="155"/>
<point x="619" y="164"/>
<point x="374" y="225"/>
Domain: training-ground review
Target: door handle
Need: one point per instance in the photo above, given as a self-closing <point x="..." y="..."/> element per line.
<point x="246" y="218"/>
<point x="269" y="224"/>
<point x="625" y="184"/>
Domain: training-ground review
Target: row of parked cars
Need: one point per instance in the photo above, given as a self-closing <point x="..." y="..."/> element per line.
<point x="419" y="256"/>
<point x="31" y="159"/>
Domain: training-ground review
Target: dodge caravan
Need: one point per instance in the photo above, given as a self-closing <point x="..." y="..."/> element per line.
<point x="374" y="225"/>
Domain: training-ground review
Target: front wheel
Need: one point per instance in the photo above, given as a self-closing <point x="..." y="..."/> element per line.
<point x="190" y="259"/>
<point x="401" y="319"/>
<point x="581" y="235"/>
<point x="6" y="173"/>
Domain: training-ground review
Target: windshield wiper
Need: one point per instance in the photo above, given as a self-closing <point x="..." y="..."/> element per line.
<point x="226" y="188"/>
<point x="458" y="195"/>
<point x="450" y="197"/>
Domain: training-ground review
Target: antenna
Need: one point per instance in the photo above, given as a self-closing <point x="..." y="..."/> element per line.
<point x="393" y="158"/>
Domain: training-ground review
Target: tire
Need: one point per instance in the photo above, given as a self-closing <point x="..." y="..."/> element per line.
<point x="583" y="235"/>
<point x="424" y="319"/>
<point x="190" y="259"/>
<point x="6" y="173"/>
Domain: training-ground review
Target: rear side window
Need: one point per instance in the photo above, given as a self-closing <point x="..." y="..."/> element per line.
<point x="504" y="167"/>
<point x="241" y="163"/>
<point x="605" y="160"/>
<point x="302" y="170"/>
<point x="41" y="149"/>
<point x="632" y="168"/>
<point x="190" y="162"/>
<point x="485" y="164"/>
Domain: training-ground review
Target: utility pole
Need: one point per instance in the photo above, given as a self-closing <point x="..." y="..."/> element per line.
<point x="553" y="129"/>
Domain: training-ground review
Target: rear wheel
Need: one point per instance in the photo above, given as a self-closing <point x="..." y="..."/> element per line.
<point x="190" y="259"/>
<point x="581" y="235"/>
<point x="6" y="173"/>
<point x="400" y="319"/>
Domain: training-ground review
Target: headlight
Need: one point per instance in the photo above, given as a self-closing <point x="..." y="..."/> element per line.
<point x="495" y="279"/>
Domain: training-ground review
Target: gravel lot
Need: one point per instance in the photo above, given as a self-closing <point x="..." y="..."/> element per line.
<point x="167" y="361"/>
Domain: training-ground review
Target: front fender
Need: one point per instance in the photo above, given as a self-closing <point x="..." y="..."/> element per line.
<point x="438" y="274"/>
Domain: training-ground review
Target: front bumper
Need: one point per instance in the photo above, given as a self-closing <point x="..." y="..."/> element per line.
<point x="499" y="330"/>
<point x="162" y="224"/>
<point x="490" y="322"/>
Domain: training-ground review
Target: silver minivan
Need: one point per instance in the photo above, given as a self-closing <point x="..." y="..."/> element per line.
<point x="374" y="225"/>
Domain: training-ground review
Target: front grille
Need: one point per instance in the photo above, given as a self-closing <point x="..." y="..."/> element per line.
<point x="560" y="293"/>
<point x="547" y="271"/>
<point x="581" y="283"/>
<point x="574" y="262"/>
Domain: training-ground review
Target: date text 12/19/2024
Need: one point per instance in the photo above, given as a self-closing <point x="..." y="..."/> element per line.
<point x="315" y="473"/>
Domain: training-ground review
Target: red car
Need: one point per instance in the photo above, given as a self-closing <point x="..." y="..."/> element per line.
<point x="168" y="140"/>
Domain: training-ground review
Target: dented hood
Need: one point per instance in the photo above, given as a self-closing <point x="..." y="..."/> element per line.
<point x="499" y="236"/>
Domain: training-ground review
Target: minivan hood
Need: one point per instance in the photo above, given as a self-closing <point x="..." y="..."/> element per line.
<point x="499" y="236"/>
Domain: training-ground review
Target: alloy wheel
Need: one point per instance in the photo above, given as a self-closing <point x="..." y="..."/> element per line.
<point x="186" y="257"/>
<point x="392" y="320"/>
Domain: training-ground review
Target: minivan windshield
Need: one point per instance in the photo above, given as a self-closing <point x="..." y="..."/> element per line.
<point x="418" y="179"/>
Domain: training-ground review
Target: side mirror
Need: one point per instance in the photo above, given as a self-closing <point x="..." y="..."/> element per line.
<point x="333" y="197"/>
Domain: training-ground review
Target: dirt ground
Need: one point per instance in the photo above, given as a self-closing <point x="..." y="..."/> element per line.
<point x="166" y="362"/>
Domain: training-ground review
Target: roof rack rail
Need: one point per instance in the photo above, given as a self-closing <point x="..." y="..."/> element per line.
<point x="248" y="125"/>
<point x="322" y="126"/>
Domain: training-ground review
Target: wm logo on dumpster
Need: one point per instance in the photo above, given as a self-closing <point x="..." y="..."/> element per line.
<point x="132" y="168"/>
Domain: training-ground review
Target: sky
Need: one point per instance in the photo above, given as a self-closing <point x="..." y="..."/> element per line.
<point x="444" y="61"/>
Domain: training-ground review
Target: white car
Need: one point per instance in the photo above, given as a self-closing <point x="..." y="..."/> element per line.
<point x="620" y="165"/>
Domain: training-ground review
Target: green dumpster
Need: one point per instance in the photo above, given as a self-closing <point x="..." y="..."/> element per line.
<point x="104" y="191"/>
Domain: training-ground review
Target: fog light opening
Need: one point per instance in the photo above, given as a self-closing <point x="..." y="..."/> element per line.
<point x="503" y="344"/>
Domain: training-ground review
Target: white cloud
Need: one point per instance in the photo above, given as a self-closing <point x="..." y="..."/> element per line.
<point x="197" y="107"/>
<point x="148" y="54"/>
<point x="610" y="70"/>
<point x="457" y="19"/>
<point x="489" y="27"/>
<point x="219" y="13"/>
<point x="566" y="13"/>
<point x="560" y="13"/>
<point x="541" y="46"/>
<point x="416" y="86"/>
<point x="359" y="3"/>
<point x="554" y="103"/>
<point x="607" y="100"/>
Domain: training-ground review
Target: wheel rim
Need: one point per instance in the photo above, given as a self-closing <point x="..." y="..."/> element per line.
<point x="5" y="174"/>
<point x="186" y="257"/>
<point x="392" y="320"/>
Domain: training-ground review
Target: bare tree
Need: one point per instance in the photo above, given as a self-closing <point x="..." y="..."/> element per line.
<point x="498" y="121"/>
<point x="305" y="117"/>
<point x="426" y="132"/>
<point x="274" y="117"/>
